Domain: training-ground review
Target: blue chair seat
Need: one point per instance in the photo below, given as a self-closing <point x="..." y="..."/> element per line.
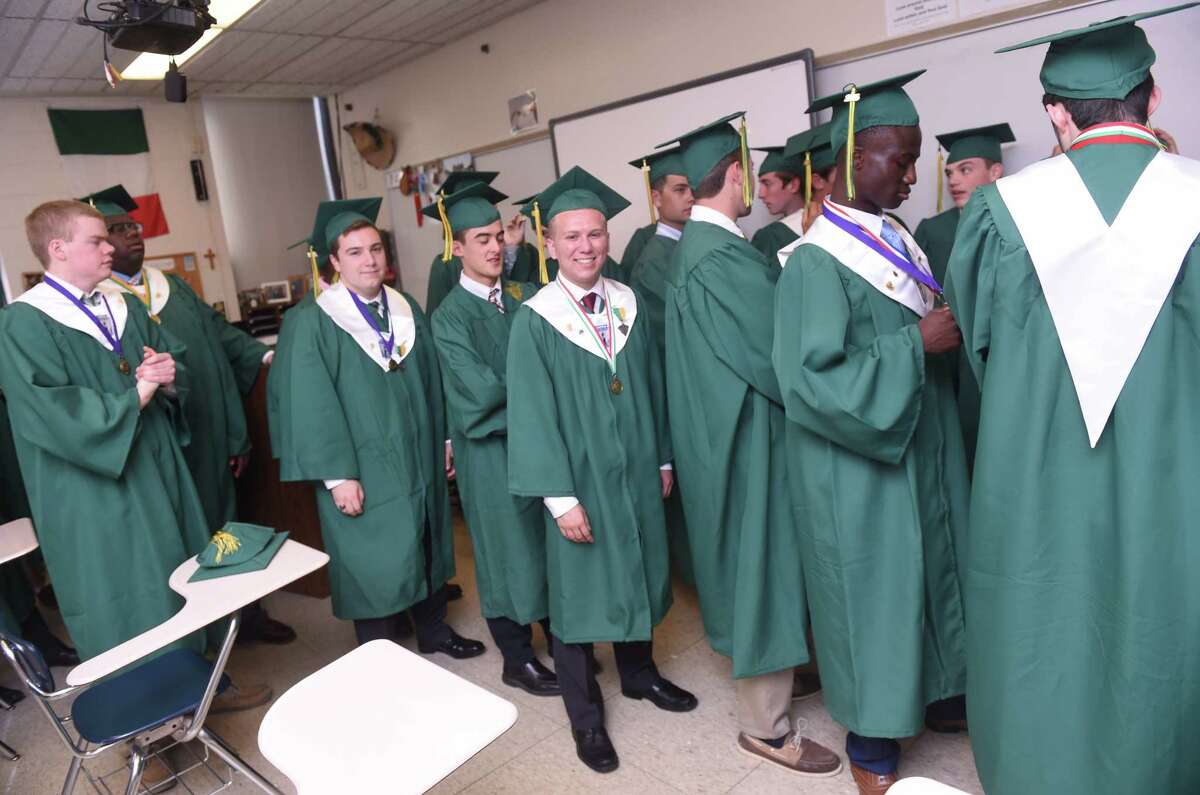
<point x="147" y="696"/>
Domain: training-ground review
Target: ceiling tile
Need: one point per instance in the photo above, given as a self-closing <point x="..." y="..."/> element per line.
<point x="29" y="9"/>
<point x="12" y="33"/>
<point x="378" y="23"/>
<point x="78" y="44"/>
<point x="39" y="44"/>
<point x="65" y="9"/>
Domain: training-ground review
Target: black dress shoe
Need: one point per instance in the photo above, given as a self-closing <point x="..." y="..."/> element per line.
<point x="10" y="696"/>
<point x="267" y="630"/>
<point x="596" y="750"/>
<point x="62" y="656"/>
<point x="453" y="592"/>
<point x="534" y="678"/>
<point x="665" y="695"/>
<point x="455" y="645"/>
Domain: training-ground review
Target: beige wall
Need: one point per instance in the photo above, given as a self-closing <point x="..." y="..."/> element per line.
<point x="31" y="172"/>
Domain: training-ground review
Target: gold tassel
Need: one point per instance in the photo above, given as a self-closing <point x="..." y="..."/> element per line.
<point x="316" y="271"/>
<point x="543" y="274"/>
<point x="447" y="232"/>
<point x="941" y="166"/>
<point x="226" y="544"/>
<point x="807" y="178"/>
<point x="649" y="190"/>
<point x="747" y="188"/>
<point x="852" y="97"/>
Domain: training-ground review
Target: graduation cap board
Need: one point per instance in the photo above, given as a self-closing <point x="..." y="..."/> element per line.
<point x="472" y="205"/>
<point x="1105" y="60"/>
<point x="111" y="201"/>
<point x="332" y="219"/>
<point x="237" y="548"/>
<point x="883" y="103"/>
<point x="704" y="147"/>
<point x="575" y="190"/>
<point x="656" y="166"/>
<point x="813" y="147"/>
<point x="457" y="180"/>
<point x="965" y="144"/>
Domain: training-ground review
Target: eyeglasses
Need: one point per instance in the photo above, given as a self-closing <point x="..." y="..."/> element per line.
<point x="124" y="228"/>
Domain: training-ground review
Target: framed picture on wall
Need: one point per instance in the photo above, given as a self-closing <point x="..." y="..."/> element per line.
<point x="277" y="292"/>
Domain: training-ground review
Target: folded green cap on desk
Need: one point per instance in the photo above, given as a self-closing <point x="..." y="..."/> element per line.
<point x="237" y="548"/>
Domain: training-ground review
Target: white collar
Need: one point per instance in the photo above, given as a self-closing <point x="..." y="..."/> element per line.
<point x="795" y="221"/>
<point x="135" y="279"/>
<point x="341" y="309"/>
<point x="160" y="287"/>
<point x="58" y="307"/>
<point x="1103" y="310"/>
<point x="475" y="288"/>
<point x="872" y="223"/>
<point x="668" y="231"/>
<point x="555" y="308"/>
<point x="708" y="215"/>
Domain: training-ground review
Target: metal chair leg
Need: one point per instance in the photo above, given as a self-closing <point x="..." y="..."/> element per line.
<point x="72" y="775"/>
<point x="222" y="749"/>
<point x="137" y="763"/>
<point x="7" y="750"/>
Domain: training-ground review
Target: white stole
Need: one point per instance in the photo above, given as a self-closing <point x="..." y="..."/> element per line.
<point x="1104" y="285"/>
<point x="554" y="306"/>
<point x="160" y="288"/>
<point x="339" y="306"/>
<point x="51" y="302"/>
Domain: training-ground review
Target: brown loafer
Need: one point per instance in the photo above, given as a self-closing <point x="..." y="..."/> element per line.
<point x="872" y="783"/>
<point x="236" y="698"/>
<point x="798" y="755"/>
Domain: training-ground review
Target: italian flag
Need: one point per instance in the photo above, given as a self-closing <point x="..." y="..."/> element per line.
<point x="102" y="148"/>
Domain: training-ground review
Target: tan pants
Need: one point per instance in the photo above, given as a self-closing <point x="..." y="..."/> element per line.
<point x="764" y="704"/>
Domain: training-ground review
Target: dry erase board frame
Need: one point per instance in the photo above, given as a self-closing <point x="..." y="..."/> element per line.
<point x="609" y="164"/>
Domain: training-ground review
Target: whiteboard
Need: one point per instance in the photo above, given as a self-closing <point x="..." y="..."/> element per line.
<point x="524" y="169"/>
<point x="969" y="86"/>
<point x="773" y="93"/>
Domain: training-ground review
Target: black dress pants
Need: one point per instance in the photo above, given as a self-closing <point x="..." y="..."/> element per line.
<point x="515" y="641"/>
<point x="575" y="665"/>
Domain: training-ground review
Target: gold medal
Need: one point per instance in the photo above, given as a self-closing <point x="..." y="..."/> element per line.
<point x="616" y="386"/>
<point x="123" y="365"/>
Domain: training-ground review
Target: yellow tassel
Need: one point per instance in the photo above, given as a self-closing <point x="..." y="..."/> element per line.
<point x="226" y="544"/>
<point x="852" y="97"/>
<point x="543" y="274"/>
<point x="747" y="187"/>
<point x="649" y="190"/>
<point x="941" y="166"/>
<point x="807" y="178"/>
<point x="316" y="271"/>
<point x="447" y="232"/>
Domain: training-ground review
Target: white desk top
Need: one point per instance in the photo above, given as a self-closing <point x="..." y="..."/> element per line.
<point x="16" y="539"/>
<point x="206" y="602"/>
<point x="380" y="719"/>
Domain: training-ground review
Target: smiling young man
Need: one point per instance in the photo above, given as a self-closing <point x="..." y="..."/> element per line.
<point x="973" y="159"/>
<point x="781" y="189"/>
<point x="727" y="426"/>
<point x="365" y="418"/>
<point x="471" y="328"/>
<point x="875" y="454"/>
<point x="1077" y="284"/>
<point x="92" y="396"/>
<point x="588" y="436"/>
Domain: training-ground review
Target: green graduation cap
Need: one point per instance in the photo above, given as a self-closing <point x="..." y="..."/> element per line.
<point x="813" y="142"/>
<point x="1105" y="60"/>
<point x="883" y="103"/>
<point x="237" y="548"/>
<point x="457" y="180"/>
<point x="704" y="147"/>
<point x="111" y="201"/>
<point x="777" y="160"/>
<point x="964" y="144"/>
<point x="656" y="166"/>
<point x="574" y="190"/>
<point x="333" y="217"/>
<point x="471" y="206"/>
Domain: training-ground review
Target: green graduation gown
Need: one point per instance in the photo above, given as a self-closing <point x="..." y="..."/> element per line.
<point x="1081" y="581"/>
<point x="649" y="280"/>
<point x="728" y="427"/>
<point x="109" y="489"/>
<point x="879" y="487"/>
<point x="223" y="362"/>
<point x="569" y="435"/>
<point x="771" y="238"/>
<point x="507" y="532"/>
<point x="346" y="416"/>
<point x="935" y="236"/>
<point x="16" y="595"/>
<point x="633" y="252"/>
